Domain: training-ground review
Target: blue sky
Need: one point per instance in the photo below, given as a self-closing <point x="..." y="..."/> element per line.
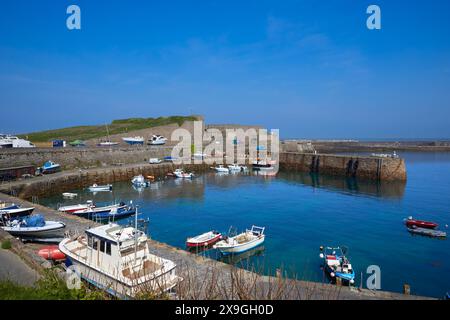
<point x="310" y="68"/>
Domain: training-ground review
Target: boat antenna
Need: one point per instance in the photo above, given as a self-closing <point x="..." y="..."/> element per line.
<point x="135" y="234"/>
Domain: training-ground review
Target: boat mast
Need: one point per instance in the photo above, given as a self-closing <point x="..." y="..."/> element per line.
<point x="135" y="234"/>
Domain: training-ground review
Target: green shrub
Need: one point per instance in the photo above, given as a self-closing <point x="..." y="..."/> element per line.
<point x="6" y="244"/>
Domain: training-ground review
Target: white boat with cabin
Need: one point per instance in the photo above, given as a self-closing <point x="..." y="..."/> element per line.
<point x="221" y="169"/>
<point x="157" y="140"/>
<point x="9" y="141"/>
<point x="117" y="259"/>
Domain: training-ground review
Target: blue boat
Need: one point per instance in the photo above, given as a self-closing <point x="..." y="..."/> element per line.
<point x="114" y="214"/>
<point x="337" y="265"/>
<point x="50" y="167"/>
<point x="134" y="140"/>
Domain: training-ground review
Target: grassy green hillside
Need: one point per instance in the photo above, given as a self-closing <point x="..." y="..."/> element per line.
<point x="116" y="127"/>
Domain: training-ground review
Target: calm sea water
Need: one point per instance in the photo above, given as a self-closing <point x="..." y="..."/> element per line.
<point x="302" y="212"/>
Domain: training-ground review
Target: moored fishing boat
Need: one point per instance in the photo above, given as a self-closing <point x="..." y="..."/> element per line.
<point x="117" y="259"/>
<point x="205" y="239"/>
<point x="179" y="173"/>
<point x="221" y="169"/>
<point x="32" y="226"/>
<point x="242" y="242"/>
<point x="77" y="207"/>
<point x="88" y="212"/>
<point x="139" y="181"/>
<point x="336" y="264"/>
<point x="96" y="188"/>
<point x="410" y="223"/>
<point x="114" y="214"/>
<point x="237" y="168"/>
<point x="134" y="140"/>
<point x="262" y="165"/>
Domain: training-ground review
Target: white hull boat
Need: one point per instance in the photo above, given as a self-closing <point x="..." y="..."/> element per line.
<point x="117" y="259"/>
<point x="33" y="226"/>
<point x="157" y="140"/>
<point x="154" y="161"/>
<point x="76" y="207"/>
<point x="8" y="141"/>
<point x="69" y="195"/>
<point x="183" y="175"/>
<point x="97" y="188"/>
<point x="242" y="242"/>
<point x="134" y="140"/>
<point x="221" y="169"/>
<point x="17" y="212"/>
<point x="108" y="144"/>
<point x="140" y="182"/>
<point x="237" y="168"/>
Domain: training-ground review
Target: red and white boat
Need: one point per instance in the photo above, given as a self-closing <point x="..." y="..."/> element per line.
<point x="411" y="223"/>
<point x="77" y="207"/>
<point x="203" y="240"/>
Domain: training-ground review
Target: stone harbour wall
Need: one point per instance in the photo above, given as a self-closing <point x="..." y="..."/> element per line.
<point x="372" y="168"/>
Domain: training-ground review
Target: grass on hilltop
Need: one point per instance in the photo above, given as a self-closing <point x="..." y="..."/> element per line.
<point x="98" y="131"/>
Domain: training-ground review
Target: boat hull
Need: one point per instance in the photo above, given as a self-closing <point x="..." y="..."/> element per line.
<point x="192" y="244"/>
<point x="242" y="247"/>
<point x="35" y="231"/>
<point x="20" y="212"/>
<point x="421" y="224"/>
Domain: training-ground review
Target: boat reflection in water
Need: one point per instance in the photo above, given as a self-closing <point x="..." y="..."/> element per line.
<point x="239" y="258"/>
<point x="382" y="189"/>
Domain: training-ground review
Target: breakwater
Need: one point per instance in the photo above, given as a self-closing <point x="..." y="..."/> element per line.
<point x="72" y="158"/>
<point x="364" y="167"/>
<point x="371" y="168"/>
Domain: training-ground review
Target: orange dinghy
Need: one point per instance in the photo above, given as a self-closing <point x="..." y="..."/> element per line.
<point x="51" y="253"/>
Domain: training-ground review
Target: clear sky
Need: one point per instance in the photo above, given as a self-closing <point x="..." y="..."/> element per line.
<point x="310" y="68"/>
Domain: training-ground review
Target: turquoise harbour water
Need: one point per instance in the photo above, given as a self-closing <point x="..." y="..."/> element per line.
<point x="302" y="212"/>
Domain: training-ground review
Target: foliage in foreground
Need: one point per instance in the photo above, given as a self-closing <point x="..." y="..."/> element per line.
<point x="6" y="244"/>
<point x="49" y="287"/>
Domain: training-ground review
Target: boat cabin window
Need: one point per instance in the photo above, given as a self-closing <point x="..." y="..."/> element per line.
<point x="108" y="248"/>
<point x="102" y="246"/>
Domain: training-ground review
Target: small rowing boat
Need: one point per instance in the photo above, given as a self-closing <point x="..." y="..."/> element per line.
<point x="203" y="240"/>
<point x="410" y="223"/>
<point x="97" y="188"/>
<point x="242" y="242"/>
